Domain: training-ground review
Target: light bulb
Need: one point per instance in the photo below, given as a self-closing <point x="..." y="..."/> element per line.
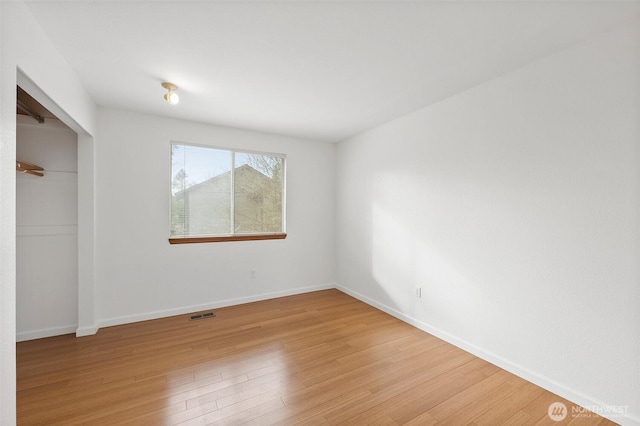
<point x="172" y="98"/>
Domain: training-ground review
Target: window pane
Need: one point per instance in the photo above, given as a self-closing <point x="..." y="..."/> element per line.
<point x="201" y="191"/>
<point x="258" y="185"/>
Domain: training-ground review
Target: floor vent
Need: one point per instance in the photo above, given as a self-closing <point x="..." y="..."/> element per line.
<point x="202" y="316"/>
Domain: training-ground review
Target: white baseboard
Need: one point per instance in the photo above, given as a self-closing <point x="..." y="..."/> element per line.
<point x="210" y="305"/>
<point x="86" y="331"/>
<point x="23" y="336"/>
<point x="537" y="379"/>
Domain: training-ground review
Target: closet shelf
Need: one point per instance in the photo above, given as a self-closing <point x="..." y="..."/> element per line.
<point x="29" y="168"/>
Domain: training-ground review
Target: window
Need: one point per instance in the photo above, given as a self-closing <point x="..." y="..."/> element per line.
<point x="226" y="195"/>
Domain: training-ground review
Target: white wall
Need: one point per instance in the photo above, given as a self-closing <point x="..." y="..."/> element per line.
<point x="47" y="230"/>
<point x="139" y="275"/>
<point x="25" y="48"/>
<point x="516" y="206"/>
<point x="7" y="244"/>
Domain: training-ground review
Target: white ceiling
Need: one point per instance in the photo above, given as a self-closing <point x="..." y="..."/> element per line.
<point x="322" y="70"/>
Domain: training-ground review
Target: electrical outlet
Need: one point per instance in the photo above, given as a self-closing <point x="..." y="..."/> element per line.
<point x="418" y="292"/>
<point x="252" y="274"/>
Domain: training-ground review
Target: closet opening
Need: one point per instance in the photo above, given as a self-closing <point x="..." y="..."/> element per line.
<point x="46" y="222"/>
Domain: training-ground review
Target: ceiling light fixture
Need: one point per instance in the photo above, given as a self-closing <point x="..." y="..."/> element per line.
<point x="171" y="96"/>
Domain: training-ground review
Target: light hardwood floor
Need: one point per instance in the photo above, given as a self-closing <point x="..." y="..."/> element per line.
<point x="311" y="359"/>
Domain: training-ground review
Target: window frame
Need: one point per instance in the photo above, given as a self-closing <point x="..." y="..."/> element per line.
<point x="256" y="236"/>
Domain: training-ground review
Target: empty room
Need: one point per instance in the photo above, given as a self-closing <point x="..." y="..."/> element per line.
<point x="319" y="212"/>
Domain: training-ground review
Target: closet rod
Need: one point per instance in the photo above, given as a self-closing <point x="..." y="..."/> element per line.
<point x="22" y="107"/>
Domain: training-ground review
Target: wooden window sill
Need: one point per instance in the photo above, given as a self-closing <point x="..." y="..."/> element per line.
<point x="225" y="238"/>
